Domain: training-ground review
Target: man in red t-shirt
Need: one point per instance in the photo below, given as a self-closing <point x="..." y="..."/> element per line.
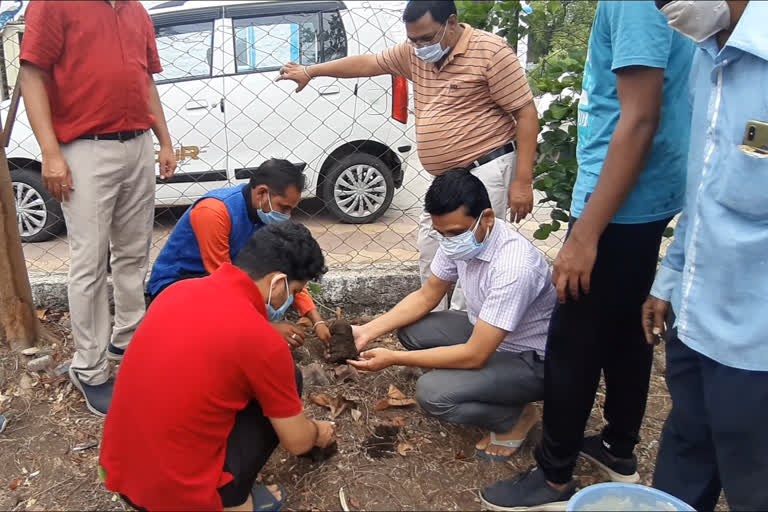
<point x="86" y="77"/>
<point x="208" y="388"/>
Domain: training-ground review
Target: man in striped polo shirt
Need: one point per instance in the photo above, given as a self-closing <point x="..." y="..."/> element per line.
<point x="473" y="108"/>
<point x="489" y="360"/>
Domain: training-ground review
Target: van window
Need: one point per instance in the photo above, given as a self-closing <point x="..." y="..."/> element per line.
<point x="185" y="51"/>
<point x="266" y="43"/>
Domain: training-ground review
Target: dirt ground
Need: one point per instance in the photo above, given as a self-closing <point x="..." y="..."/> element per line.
<point x="391" y="459"/>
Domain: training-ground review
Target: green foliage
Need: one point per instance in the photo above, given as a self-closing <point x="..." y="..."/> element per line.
<point x="556" y="168"/>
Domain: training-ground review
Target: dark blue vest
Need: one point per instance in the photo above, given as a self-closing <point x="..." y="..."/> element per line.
<point x="181" y="253"/>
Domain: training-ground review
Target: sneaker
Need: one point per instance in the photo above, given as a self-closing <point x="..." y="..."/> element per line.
<point x="97" y="398"/>
<point x="618" y="469"/>
<point x="114" y="353"/>
<point x="527" y="491"/>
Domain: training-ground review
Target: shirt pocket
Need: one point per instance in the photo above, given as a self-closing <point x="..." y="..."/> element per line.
<point x="467" y="88"/>
<point x="744" y="188"/>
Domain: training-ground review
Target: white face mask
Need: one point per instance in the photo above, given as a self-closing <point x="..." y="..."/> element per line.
<point x="433" y="52"/>
<point x="697" y="19"/>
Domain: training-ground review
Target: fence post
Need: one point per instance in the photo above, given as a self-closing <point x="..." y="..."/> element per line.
<point x="18" y="320"/>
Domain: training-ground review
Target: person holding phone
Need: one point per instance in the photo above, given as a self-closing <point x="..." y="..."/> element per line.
<point x="209" y="388"/>
<point x="710" y="296"/>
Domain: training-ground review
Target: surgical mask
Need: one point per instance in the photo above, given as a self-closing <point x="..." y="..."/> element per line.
<point x="698" y="20"/>
<point x="279" y="313"/>
<point x="273" y="217"/>
<point x="433" y="52"/>
<point x="464" y="246"/>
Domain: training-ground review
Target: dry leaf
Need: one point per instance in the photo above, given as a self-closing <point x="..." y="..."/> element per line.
<point x="41" y="314"/>
<point x="356" y="414"/>
<point x="321" y="400"/>
<point x="30" y="351"/>
<point x="395" y="393"/>
<point x="398" y="421"/>
<point x="460" y="455"/>
<point x="305" y="322"/>
<point x="381" y="405"/>
<point x="339" y="404"/>
<point x="404" y="448"/>
<point x="13" y="485"/>
<point x="354" y="502"/>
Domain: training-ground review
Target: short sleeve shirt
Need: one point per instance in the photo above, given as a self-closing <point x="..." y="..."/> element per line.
<point x="464" y="107"/>
<point x="508" y="285"/>
<point x="204" y="351"/>
<point x="635" y="34"/>
<point x="99" y="58"/>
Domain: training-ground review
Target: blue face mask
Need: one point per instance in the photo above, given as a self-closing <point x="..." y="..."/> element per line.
<point x="464" y="246"/>
<point x="433" y="52"/>
<point x="273" y="217"/>
<point x="279" y="313"/>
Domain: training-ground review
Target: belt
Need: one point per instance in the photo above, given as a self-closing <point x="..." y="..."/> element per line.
<point x="509" y="147"/>
<point x="121" y="136"/>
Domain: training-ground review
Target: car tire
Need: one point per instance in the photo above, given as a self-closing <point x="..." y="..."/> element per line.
<point x="37" y="212"/>
<point x="358" y="189"/>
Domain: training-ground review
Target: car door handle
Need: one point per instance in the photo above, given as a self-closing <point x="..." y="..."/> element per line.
<point x="330" y="90"/>
<point x="196" y="105"/>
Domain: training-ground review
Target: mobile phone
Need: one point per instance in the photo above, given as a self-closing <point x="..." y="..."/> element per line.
<point x="756" y="136"/>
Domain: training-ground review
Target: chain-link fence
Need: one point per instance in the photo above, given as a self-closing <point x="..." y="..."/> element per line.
<point x="226" y="115"/>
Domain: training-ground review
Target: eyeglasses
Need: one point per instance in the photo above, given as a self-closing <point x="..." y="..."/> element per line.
<point x="422" y="44"/>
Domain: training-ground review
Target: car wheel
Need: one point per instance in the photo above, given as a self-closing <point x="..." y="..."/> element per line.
<point x="358" y="188"/>
<point x="38" y="214"/>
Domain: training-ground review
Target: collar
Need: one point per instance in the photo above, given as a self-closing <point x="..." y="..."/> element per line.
<point x="252" y="215"/>
<point x="491" y="241"/>
<point x="240" y="283"/>
<point x="462" y="45"/>
<point x="749" y="35"/>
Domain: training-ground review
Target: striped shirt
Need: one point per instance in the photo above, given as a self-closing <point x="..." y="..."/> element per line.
<point x="507" y="285"/>
<point x="464" y="107"/>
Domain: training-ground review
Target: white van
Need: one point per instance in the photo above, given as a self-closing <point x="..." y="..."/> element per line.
<point x="227" y="114"/>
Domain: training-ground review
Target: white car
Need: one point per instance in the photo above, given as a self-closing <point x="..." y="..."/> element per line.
<point x="227" y="114"/>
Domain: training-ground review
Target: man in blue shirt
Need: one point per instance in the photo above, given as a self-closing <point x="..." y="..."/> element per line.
<point x="715" y="273"/>
<point x="634" y="118"/>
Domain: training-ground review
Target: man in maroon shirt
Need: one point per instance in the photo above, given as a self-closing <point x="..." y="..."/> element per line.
<point x="86" y="78"/>
<point x="203" y="398"/>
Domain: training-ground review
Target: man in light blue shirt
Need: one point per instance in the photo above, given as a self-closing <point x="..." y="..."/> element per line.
<point x="634" y="119"/>
<point x="715" y="274"/>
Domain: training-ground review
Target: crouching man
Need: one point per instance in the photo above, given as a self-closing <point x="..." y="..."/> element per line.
<point x="489" y="359"/>
<point x="209" y="388"/>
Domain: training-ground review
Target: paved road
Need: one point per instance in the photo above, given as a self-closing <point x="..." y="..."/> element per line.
<point x="391" y="239"/>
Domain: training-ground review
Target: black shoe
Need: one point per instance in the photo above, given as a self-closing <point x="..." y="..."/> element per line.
<point x="114" y="353"/>
<point x="97" y="398"/>
<point x="618" y="469"/>
<point x="527" y="491"/>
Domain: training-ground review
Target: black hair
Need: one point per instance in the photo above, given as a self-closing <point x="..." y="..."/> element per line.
<point x="661" y="3"/>
<point x="278" y="175"/>
<point x="440" y="10"/>
<point x="285" y="247"/>
<point x="454" y="189"/>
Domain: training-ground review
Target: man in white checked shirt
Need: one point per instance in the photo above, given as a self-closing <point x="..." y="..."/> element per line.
<point x="488" y="360"/>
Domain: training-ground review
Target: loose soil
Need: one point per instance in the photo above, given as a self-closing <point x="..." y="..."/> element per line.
<point x="390" y="459"/>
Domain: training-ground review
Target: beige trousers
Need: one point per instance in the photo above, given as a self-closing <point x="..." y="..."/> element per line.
<point x="111" y="207"/>
<point x="496" y="175"/>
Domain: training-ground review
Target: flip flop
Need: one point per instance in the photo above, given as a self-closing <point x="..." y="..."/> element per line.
<point x="265" y="500"/>
<point x="482" y="454"/>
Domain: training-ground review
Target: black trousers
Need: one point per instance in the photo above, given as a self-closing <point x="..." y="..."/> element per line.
<point x="601" y="331"/>
<point x="184" y="275"/>
<point x="715" y="436"/>
<point x="249" y="447"/>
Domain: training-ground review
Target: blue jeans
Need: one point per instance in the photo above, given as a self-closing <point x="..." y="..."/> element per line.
<point x="493" y="396"/>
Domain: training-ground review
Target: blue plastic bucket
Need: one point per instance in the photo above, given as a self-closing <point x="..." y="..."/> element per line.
<point x="630" y="497"/>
